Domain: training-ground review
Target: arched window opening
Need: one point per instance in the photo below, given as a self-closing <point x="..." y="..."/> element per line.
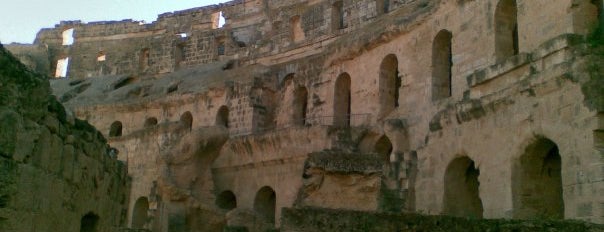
<point x="265" y="203"/>
<point x="179" y="55"/>
<point x="337" y="16"/>
<point x="382" y="6"/>
<point x="506" y="29"/>
<point x="537" y="182"/>
<point x="67" y="36"/>
<point x="62" y="66"/>
<point x="442" y="64"/>
<point x="144" y="59"/>
<point x="149" y="122"/>
<point x="89" y="223"/>
<point x="186" y="120"/>
<point x="461" y="198"/>
<point x="218" y="20"/>
<point x="296" y="27"/>
<point x="222" y="117"/>
<point x="384" y="147"/>
<point x="220" y="48"/>
<point x="300" y="104"/>
<point x="389" y="85"/>
<point x="116" y="129"/>
<point x="226" y="200"/>
<point x="342" y="101"/>
<point x="140" y="213"/>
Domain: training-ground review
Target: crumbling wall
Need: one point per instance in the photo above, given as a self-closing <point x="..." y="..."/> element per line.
<point x="57" y="172"/>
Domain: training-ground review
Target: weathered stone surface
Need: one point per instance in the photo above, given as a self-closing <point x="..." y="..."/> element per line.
<point x="38" y="191"/>
<point x="487" y="109"/>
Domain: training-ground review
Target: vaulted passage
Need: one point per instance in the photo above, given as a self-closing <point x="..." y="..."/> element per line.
<point x="461" y="196"/>
<point x="389" y="85"/>
<point x="139" y="213"/>
<point x="226" y="200"/>
<point x="89" y="223"/>
<point x="187" y="119"/>
<point x="300" y="104"/>
<point x="342" y="101"/>
<point x="265" y="203"/>
<point x="116" y="129"/>
<point x="441" y="65"/>
<point x="537" y="182"/>
<point x="222" y="117"/>
<point x="506" y="29"/>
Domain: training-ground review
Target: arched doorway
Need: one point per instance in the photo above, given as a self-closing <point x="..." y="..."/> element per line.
<point x="187" y="119"/>
<point x="441" y="65"/>
<point x="342" y="101"/>
<point x="537" y="182"/>
<point x="461" y="197"/>
<point x="300" y="104"/>
<point x="89" y="222"/>
<point x="265" y="203"/>
<point x="226" y="200"/>
<point x="140" y="213"/>
<point x="384" y="147"/>
<point x="506" y="29"/>
<point x="222" y="117"/>
<point x="116" y="129"/>
<point x="389" y="85"/>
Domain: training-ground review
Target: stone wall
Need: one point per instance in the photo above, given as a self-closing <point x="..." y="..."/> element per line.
<point x="504" y="94"/>
<point x="317" y="219"/>
<point x="57" y="172"/>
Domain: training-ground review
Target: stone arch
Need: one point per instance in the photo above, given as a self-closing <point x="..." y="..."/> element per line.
<point x="537" y="182"/>
<point x="265" y="203"/>
<point x="442" y="63"/>
<point x="140" y="213"/>
<point x="151" y="121"/>
<point x="461" y="196"/>
<point x="222" y="117"/>
<point x="300" y="105"/>
<point x="506" y="29"/>
<point x="342" y="101"/>
<point x="226" y="200"/>
<point x="383" y="146"/>
<point x="389" y="85"/>
<point x="89" y="222"/>
<point x="187" y="119"/>
<point x="115" y="129"/>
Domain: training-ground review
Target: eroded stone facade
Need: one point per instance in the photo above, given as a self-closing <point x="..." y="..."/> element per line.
<point x="486" y="109"/>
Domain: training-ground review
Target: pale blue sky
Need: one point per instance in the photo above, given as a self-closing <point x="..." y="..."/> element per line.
<point x="20" y="20"/>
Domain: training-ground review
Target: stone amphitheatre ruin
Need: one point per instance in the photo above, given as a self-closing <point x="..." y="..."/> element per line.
<point x="296" y="115"/>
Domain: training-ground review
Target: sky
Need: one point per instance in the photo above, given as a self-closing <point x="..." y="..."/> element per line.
<point x="20" y="20"/>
